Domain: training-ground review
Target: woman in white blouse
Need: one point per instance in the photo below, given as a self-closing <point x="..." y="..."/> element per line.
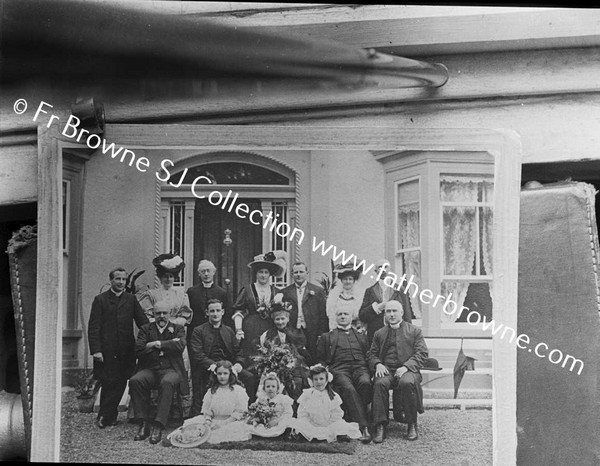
<point x="347" y="294"/>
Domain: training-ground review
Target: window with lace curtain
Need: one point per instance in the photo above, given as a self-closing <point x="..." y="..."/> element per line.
<point x="408" y="240"/>
<point x="467" y="219"/>
<point x="441" y="234"/>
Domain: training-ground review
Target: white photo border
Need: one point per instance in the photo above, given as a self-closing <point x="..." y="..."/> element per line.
<point x="504" y="145"/>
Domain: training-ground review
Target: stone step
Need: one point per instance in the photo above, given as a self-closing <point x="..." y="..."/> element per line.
<point x="462" y="404"/>
<point x="463" y="393"/>
<point x="480" y="378"/>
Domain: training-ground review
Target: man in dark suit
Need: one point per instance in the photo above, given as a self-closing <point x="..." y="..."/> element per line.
<point x="396" y="356"/>
<point x="159" y="349"/>
<point x="214" y="341"/>
<point x="199" y="296"/>
<point x="344" y="351"/>
<point x="308" y="307"/>
<point x="112" y="343"/>
<point x="371" y="310"/>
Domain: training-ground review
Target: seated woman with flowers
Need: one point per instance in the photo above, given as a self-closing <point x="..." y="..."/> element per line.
<point x="283" y="350"/>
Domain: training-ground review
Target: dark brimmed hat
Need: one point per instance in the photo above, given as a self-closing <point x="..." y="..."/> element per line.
<point x="274" y="261"/>
<point x="168" y="263"/>
<point x="280" y="305"/>
<point x="431" y="364"/>
<point x="343" y="270"/>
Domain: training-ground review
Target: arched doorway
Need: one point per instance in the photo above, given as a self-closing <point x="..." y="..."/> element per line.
<point x="198" y="227"/>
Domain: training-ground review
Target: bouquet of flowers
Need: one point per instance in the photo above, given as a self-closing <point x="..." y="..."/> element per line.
<point x="261" y="412"/>
<point x="276" y="358"/>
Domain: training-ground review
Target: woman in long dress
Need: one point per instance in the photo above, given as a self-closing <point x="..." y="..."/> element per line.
<point x="347" y="294"/>
<point x="168" y="267"/>
<point x="252" y="307"/>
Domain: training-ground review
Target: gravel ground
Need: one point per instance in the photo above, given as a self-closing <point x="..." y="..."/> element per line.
<point x="446" y="437"/>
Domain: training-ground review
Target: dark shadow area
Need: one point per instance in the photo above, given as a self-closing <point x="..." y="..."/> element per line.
<point x="12" y="218"/>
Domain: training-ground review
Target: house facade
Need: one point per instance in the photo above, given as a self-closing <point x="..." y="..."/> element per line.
<point x="532" y="71"/>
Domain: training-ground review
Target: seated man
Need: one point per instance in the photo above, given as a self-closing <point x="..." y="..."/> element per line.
<point x="284" y="334"/>
<point x="214" y="341"/>
<point x="396" y="356"/>
<point x="159" y="349"/>
<point x="344" y="351"/>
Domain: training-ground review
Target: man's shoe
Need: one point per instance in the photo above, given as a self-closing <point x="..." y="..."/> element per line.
<point x="412" y="432"/>
<point x="379" y="433"/>
<point x="101" y="422"/>
<point x="156" y="435"/>
<point x="143" y="432"/>
<point x="366" y="436"/>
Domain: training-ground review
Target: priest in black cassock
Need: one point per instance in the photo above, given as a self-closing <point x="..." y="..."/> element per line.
<point x="397" y="354"/>
<point x="199" y="296"/>
<point x="344" y="351"/>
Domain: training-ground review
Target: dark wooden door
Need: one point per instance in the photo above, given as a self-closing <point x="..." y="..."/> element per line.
<point x="212" y="226"/>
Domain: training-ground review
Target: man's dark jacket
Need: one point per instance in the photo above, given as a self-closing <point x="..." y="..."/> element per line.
<point x="172" y="343"/>
<point x="199" y="297"/>
<point x="411" y="348"/>
<point x="112" y="334"/>
<point x="313" y="309"/>
<point x="327" y="344"/>
<point x="203" y="339"/>
<point x="373" y="320"/>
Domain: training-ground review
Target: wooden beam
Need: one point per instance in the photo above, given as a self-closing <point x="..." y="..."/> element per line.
<point x="441" y="30"/>
<point x="45" y="433"/>
<point x="511" y="75"/>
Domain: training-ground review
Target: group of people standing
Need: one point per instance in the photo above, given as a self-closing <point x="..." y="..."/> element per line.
<point x="341" y="375"/>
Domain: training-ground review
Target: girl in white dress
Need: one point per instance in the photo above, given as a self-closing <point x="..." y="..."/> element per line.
<point x="320" y="412"/>
<point x="223" y="407"/>
<point x="271" y="390"/>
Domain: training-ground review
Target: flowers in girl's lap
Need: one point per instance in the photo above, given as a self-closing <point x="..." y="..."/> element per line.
<point x="262" y="412"/>
<point x="275" y="358"/>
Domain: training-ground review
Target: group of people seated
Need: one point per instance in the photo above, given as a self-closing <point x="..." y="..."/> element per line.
<point x="276" y="362"/>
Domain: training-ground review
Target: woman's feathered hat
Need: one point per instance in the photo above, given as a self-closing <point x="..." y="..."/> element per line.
<point x="168" y="263"/>
<point x="279" y="305"/>
<point x="342" y="270"/>
<point x="274" y="261"/>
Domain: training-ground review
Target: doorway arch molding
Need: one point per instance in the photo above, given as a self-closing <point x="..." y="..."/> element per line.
<point x="204" y="157"/>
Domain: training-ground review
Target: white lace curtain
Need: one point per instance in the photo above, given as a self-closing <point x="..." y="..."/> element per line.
<point x="409" y="237"/>
<point x="460" y="229"/>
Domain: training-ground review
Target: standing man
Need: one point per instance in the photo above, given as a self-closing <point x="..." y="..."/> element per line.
<point x="376" y="296"/>
<point x="396" y="356"/>
<point x="112" y="344"/>
<point x="159" y="348"/>
<point x="199" y="296"/>
<point x="308" y="307"/>
<point x="344" y="352"/>
<point x="212" y="342"/>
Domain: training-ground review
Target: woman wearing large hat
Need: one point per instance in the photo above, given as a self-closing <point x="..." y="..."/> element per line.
<point x="168" y="267"/>
<point x="252" y="307"/>
<point x="347" y="293"/>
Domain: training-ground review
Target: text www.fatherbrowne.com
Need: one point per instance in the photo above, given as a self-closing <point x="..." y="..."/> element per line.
<point x="284" y="230"/>
<point x="450" y="307"/>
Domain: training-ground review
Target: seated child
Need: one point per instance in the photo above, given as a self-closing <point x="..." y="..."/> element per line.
<point x="223" y="408"/>
<point x="320" y="412"/>
<point x="272" y="392"/>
